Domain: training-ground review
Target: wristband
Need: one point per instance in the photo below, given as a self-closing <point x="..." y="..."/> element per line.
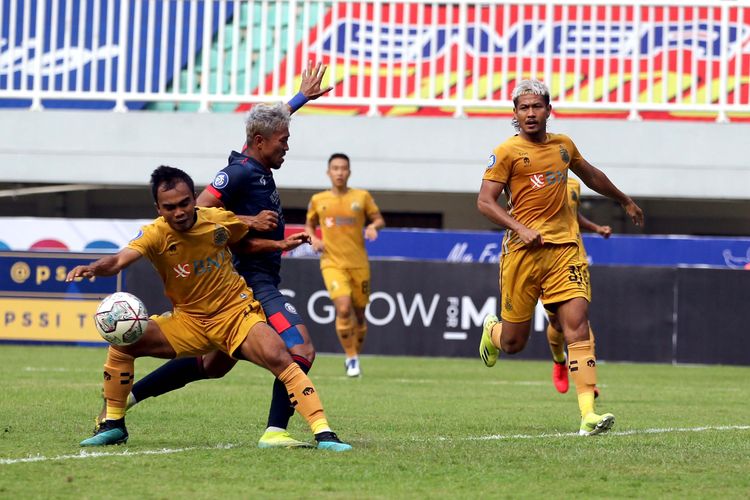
<point x="297" y="101"/>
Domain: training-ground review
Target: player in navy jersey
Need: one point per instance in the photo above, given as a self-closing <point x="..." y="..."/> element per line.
<point x="246" y="187"/>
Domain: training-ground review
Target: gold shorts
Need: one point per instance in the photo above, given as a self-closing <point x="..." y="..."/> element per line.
<point x="348" y="282"/>
<point x="554" y="273"/>
<point x="191" y="336"/>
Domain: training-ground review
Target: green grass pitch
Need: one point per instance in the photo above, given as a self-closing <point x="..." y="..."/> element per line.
<point x="421" y="428"/>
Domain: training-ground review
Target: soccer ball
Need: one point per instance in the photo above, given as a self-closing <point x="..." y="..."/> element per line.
<point x="121" y="318"/>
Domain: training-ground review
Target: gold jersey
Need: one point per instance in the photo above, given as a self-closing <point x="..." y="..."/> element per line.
<point x="196" y="265"/>
<point x="574" y="200"/>
<point x="535" y="177"/>
<point x="342" y="219"/>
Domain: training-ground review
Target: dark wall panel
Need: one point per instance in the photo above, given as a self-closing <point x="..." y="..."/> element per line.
<point x="631" y="313"/>
<point x="712" y="324"/>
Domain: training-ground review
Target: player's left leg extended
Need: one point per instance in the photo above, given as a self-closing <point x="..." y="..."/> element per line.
<point x="264" y="347"/>
<point x="346" y="329"/>
<point x="283" y="318"/>
<point x="360" y="297"/>
<point x="118" y="380"/>
<point x="573" y="316"/>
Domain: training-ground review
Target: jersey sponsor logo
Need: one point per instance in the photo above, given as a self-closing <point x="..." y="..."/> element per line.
<point x="203" y="266"/>
<point x="221" y="235"/>
<point x="221" y="180"/>
<point x="491" y="161"/>
<point x="537" y="181"/>
<point x="182" y="270"/>
<point x="345" y="221"/>
<point x="289" y="307"/>
<point x="548" y="178"/>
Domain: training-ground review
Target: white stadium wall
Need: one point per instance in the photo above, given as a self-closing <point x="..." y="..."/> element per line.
<point x="644" y="158"/>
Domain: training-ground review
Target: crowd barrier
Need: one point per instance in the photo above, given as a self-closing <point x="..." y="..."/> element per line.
<point x="421" y="308"/>
<point x="100" y="235"/>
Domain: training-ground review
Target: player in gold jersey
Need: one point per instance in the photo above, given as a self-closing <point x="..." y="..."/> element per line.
<point x="555" y="336"/>
<point x="213" y="307"/>
<point x="346" y="217"/>
<point x="540" y="256"/>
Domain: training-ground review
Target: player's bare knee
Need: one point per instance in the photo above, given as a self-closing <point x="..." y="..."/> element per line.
<point x="277" y="360"/>
<point x="344" y="311"/>
<point x="215" y="367"/>
<point x="513" y="345"/>
<point x="305" y="350"/>
<point x="577" y="334"/>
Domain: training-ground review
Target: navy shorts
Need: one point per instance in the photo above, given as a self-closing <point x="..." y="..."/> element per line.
<point x="280" y="312"/>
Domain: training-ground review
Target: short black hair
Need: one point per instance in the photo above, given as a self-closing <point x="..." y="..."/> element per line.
<point x="169" y="177"/>
<point x="339" y="155"/>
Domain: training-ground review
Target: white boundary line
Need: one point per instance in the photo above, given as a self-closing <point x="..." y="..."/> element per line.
<point x="125" y="453"/>
<point x="632" y="432"/>
<point x="495" y="437"/>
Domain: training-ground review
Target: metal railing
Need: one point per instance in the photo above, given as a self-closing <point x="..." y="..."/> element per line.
<point x="395" y="57"/>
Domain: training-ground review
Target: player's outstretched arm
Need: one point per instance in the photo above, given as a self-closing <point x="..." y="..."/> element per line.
<point x="599" y="182"/>
<point x="106" y="266"/>
<point x="260" y="245"/>
<point x="310" y="86"/>
<point x="489" y="207"/>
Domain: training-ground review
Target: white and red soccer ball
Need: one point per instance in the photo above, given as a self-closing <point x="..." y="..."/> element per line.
<point x="121" y="318"/>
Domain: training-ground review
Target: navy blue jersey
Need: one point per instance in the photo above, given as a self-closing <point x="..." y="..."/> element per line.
<point x="246" y="188"/>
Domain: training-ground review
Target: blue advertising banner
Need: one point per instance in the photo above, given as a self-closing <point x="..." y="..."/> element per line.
<point x="485" y="246"/>
<point x="81" y="45"/>
<point x="38" y="305"/>
<point x="42" y="275"/>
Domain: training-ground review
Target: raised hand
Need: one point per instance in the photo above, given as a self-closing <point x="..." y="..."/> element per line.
<point x="294" y="240"/>
<point x="311" y="80"/>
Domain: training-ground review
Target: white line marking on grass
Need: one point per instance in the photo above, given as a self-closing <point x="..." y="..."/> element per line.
<point x="54" y="369"/>
<point x="125" y="453"/>
<point x="500" y="437"/>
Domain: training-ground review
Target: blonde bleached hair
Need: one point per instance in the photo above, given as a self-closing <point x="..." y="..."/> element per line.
<point x="266" y="119"/>
<point x="526" y="87"/>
